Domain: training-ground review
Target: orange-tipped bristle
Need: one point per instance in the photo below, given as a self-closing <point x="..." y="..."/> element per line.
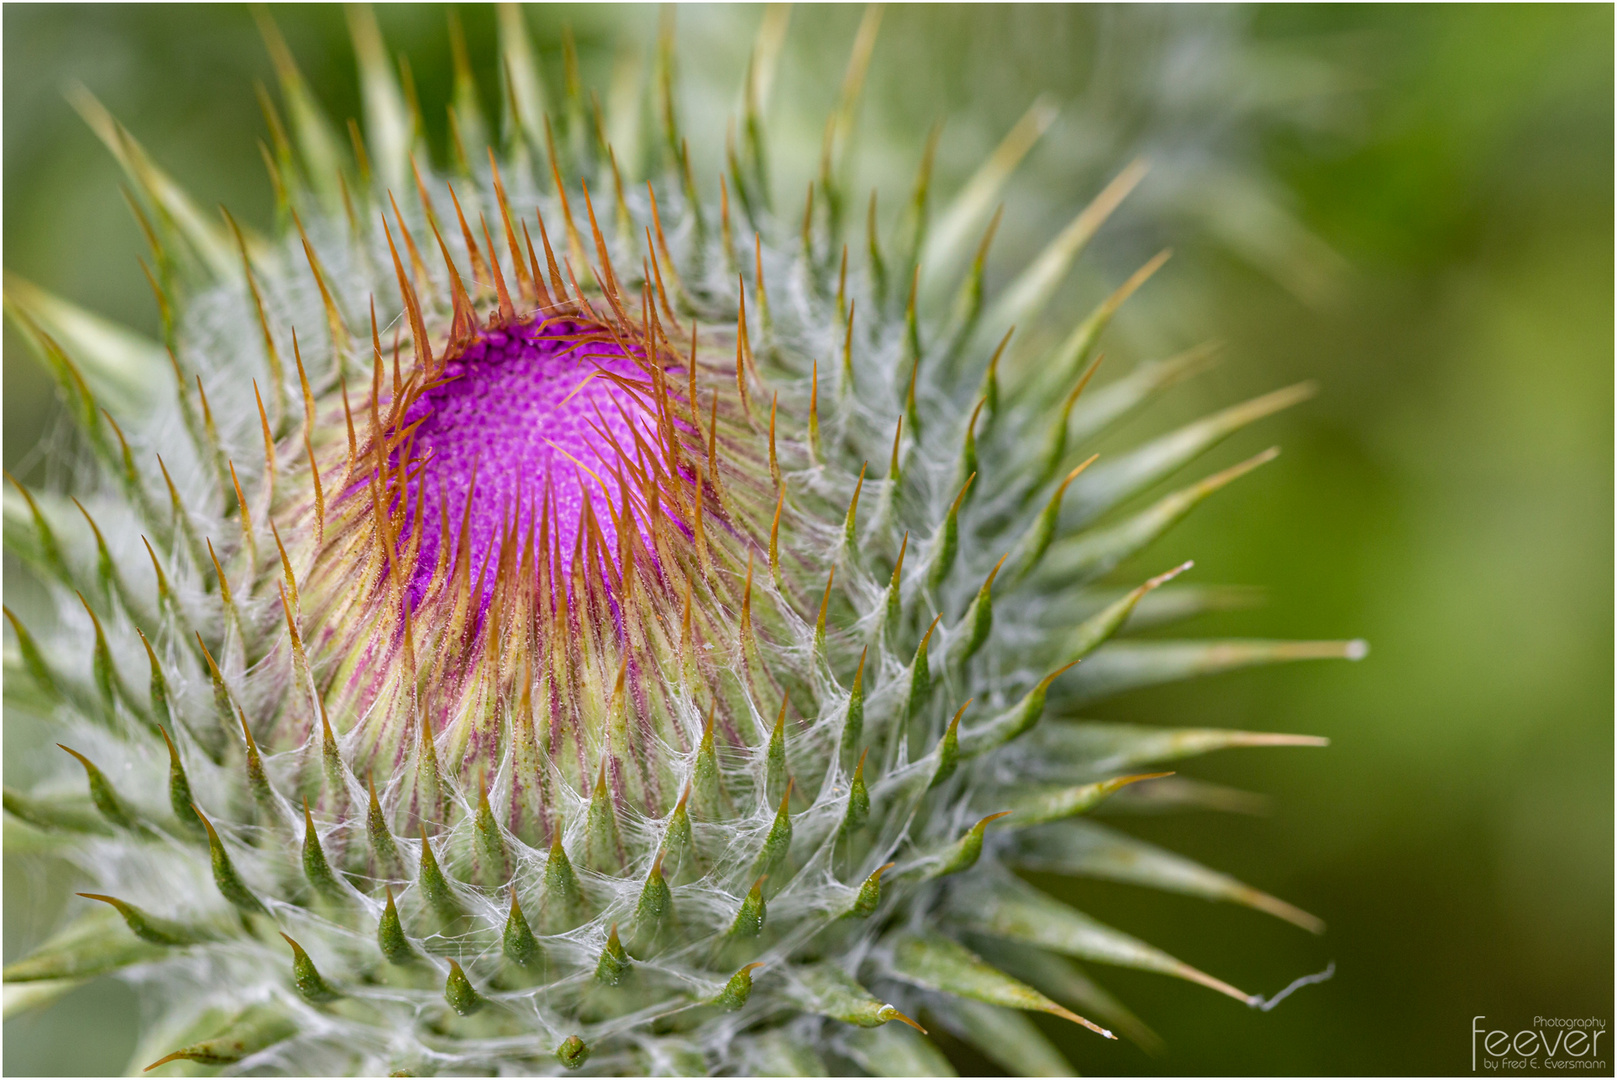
<point x="600" y="244"/>
<point x="578" y="294"/>
<point x="774" y="535"/>
<point x="541" y="293"/>
<point x="847" y="349"/>
<point x="418" y="326"/>
<point x="741" y="323"/>
<point x="690" y="367"/>
<point x="269" y="445"/>
<point x="291" y="625"/>
<point x="697" y="514"/>
<point x="524" y="284"/>
<point x="657" y="275"/>
<point x="303" y="382"/>
<point x="758" y="269"/>
<point x="746" y="601"/>
<point x="246" y="515"/>
<point x="808" y="223"/>
<point x="814" y="409"/>
<point x="741" y="368"/>
<point x="271" y="354"/>
<point x="725" y="244"/>
<point x="657" y="224"/>
<point x="825" y="605"/>
<point x="428" y="211"/>
<point x="375" y="433"/>
<point x="219" y="573"/>
<point x="558" y="287"/>
<point x="508" y="311"/>
<point x="334" y="321"/>
<point x="713" y="441"/>
<point x="575" y="247"/>
<point x="464" y="319"/>
<point x="319" y="493"/>
<point x="842" y="285"/>
<point x="480" y="270"/>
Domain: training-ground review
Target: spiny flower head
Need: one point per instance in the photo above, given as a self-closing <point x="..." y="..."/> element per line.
<point x="646" y="649"/>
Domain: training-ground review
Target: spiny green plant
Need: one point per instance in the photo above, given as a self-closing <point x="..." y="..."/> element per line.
<point x="534" y="616"/>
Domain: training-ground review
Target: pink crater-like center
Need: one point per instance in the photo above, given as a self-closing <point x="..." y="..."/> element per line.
<point x="534" y="411"/>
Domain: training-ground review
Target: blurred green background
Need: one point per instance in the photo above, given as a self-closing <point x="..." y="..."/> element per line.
<point x="1448" y="495"/>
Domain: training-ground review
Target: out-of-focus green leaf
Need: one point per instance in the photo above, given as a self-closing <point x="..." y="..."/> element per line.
<point x="1087" y="849"/>
<point x="1128" y="665"/>
<point x="95" y="943"/>
<point x="1004" y="906"/>
<point x="1002" y="1035"/>
<point x="894" y="1050"/>
<point x="943" y="964"/>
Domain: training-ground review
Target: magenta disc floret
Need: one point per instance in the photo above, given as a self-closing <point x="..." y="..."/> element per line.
<point x="524" y="425"/>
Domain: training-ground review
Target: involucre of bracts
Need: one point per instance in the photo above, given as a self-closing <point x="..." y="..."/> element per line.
<point x="536" y="617"/>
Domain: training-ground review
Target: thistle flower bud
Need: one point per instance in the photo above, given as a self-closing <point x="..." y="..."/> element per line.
<point x="595" y="652"/>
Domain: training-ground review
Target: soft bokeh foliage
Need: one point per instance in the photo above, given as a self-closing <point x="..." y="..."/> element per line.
<point x="1447" y="496"/>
